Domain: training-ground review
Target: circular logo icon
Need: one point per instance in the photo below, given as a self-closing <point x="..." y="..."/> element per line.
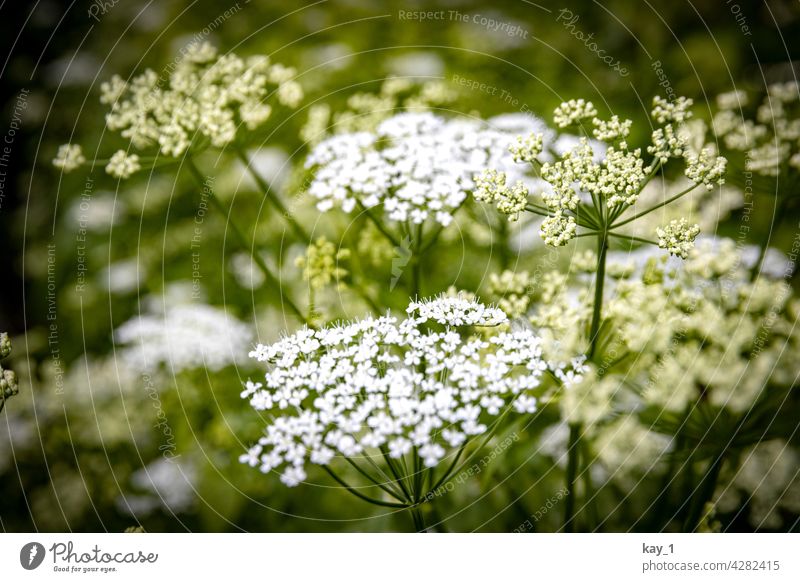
<point x="31" y="555"/>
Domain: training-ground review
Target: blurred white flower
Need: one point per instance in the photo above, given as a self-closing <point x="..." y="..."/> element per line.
<point x="185" y="337"/>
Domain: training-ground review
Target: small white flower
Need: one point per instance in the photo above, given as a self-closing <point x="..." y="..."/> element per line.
<point x="678" y="237"/>
<point x="613" y="129"/>
<point x="705" y="169"/>
<point x="676" y="111"/>
<point x="527" y="149"/>
<point x="123" y="165"/>
<point x="69" y="157"/>
<point x="573" y="111"/>
<point x="558" y="230"/>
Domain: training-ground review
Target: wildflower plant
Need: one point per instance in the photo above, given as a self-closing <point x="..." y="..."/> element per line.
<point x="591" y="191"/>
<point x="203" y="100"/>
<point x="761" y="134"/>
<point x="400" y="401"/>
<point x="409" y="177"/>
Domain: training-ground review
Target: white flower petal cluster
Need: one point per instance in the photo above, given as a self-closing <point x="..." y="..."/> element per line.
<point x="675" y="111"/>
<point x="770" y="135"/>
<point x="667" y="143"/>
<point x="705" y="169"/>
<point x="511" y="291"/>
<point x="584" y="172"/>
<point x="123" y="165"/>
<point x="732" y="100"/>
<point x="558" y="230"/>
<point x="768" y="481"/>
<point x="686" y="329"/>
<point x="69" y="157"/>
<point x="678" y="237"/>
<point x="572" y="112"/>
<point x="611" y="130"/>
<point x="415" y="166"/>
<point x="186" y="337"/>
<point x="206" y="96"/>
<point x="490" y="187"/>
<point x="390" y="384"/>
<point x="527" y="149"/>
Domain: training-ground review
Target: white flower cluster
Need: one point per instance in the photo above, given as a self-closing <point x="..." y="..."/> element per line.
<point x="678" y="237"/>
<point x="185" y="337"/>
<point x="558" y="230"/>
<point x="490" y="187"/>
<point x="676" y="111"/>
<point x="612" y="130"/>
<point x="415" y="166"/>
<point x="511" y="291"/>
<point x="667" y="143"/>
<point x="704" y="169"/>
<point x="69" y="157"/>
<point x="604" y="172"/>
<point x="771" y="139"/>
<point x="768" y="481"/>
<point x="572" y="112"/>
<point x="206" y="96"/>
<point x="527" y="149"/>
<point x="365" y="111"/>
<point x="681" y="331"/>
<point x="123" y="165"/>
<point x="396" y="385"/>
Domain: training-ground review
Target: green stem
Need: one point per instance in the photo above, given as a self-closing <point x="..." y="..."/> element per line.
<point x="656" y="207"/>
<point x="705" y="491"/>
<point x="361" y="496"/>
<point x="416" y="264"/>
<point x="271" y="197"/>
<point x="632" y="238"/>
<point x="395" y="471"/>
<point x="373" y="480"/>
<point x="242" y="240"/>
<point x="599" y="283"/>
<point x="573" y="453"/>
<point x="419" y="521"/>
<point x="591" y="501"/>
<point x="379" y="225"/>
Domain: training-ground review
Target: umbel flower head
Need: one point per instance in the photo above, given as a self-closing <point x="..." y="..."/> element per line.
<point x="421" y="384"/>
<point x="768" y="131"/>
<point x="185" y="337"/>
<point x="415" y="166"/>
<point x="202" y="98"/>
<point x="592" y="183"/>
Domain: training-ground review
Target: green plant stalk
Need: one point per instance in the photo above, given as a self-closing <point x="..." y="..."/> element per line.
<point x="705" y="491"/>
<point x="419" y="521"/>
<point x="416" y="264"/>
<point x="272" y="198"/>
<point x="599" y="284"/>
<point x="242" y="240"/>
<point x="573" y="454"/>
<point x="655" y="207"/>
<point x="361" y="496"/>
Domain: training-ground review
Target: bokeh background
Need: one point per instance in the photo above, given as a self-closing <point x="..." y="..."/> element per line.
<point x="79" y="446"/>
